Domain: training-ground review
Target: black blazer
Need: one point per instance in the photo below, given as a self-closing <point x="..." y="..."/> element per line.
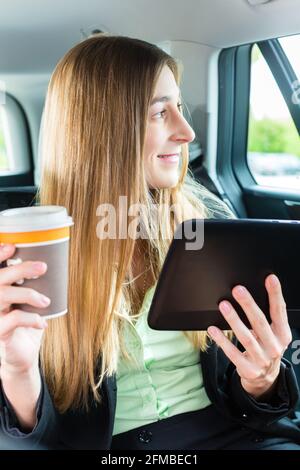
<point x="93" y="430"/>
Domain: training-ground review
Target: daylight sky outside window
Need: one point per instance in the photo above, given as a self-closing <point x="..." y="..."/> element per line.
<point x="266" y="101"/>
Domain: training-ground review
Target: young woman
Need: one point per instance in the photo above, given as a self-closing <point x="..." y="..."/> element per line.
<point x="99" y="377"/>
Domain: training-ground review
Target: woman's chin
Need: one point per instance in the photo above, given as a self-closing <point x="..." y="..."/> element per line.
<point x="164" y="183"/>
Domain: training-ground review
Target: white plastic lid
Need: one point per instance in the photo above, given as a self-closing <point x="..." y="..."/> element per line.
<point x="31" y="219"/>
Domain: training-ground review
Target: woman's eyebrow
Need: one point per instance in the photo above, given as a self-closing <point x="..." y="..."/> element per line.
<point x="162" y="99"/>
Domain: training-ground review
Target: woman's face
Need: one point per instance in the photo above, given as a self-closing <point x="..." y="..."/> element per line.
<point x="166" y="131"/>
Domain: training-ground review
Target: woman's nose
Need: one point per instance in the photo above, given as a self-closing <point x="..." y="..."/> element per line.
<point x="183" y="132"/>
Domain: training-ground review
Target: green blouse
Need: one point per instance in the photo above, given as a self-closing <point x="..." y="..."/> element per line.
<point x="164" y="378"/>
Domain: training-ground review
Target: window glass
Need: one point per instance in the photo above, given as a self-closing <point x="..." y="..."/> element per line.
<point x="273" y="140"/>
<point x="3" y="150"/>
<point x="291" y="47"/>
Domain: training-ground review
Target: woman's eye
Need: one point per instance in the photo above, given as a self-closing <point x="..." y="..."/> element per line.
<point x="163" y="112"/>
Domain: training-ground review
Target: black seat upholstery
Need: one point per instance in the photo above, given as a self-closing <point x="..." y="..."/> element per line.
<point x="18" y="196"/>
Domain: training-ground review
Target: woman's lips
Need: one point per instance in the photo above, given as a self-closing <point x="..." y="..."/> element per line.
<point x="169" y="158"/>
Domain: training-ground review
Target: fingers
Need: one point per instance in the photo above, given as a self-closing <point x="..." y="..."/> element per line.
<point x="18" y="318"/>
<point x="278" y="313"/>
<point x="26" y="270"/>
<point x="6" y="251"/>
<point x="231" y="351"/>
<point x="19" y="295"/>
<point x="13" y="274"/>
<point x="258" y="366"/>
<point x="243" y="334"/>
<point x="247" y="369"/>
<point x="258" y="321"/>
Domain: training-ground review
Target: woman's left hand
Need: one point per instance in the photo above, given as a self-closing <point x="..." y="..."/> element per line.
<point x="259" y="365"/>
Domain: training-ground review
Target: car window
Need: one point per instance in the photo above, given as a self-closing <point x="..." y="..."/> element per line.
<point x="3" y="150"/>
<point x="15" y="148"/>
<point x="291" y="47"/>
<point x="273" y="140"/>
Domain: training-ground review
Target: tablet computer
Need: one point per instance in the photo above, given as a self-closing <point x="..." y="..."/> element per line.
<point x="199" y="272"/>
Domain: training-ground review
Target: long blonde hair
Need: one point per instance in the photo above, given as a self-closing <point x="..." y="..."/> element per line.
<point x="93" y="137"/>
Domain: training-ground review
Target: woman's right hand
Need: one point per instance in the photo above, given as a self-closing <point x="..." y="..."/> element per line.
<point x="20" y="332"/>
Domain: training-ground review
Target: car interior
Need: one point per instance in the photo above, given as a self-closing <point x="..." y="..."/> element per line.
<point x="240" y="87"/>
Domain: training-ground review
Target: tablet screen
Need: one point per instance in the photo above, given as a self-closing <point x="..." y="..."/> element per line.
<point x="195" y="278"/>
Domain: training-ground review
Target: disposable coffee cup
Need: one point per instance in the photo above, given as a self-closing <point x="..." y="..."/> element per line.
<point x="41" y="233"/>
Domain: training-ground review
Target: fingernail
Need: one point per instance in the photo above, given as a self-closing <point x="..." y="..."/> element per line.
<point x="39" y="265"/>
<point x="45" y="300"/>
<point x="274" y="280"/>
<point x="225" y="307"/>
<point x="212" y="331"/>
<point x="240" y="290"/>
